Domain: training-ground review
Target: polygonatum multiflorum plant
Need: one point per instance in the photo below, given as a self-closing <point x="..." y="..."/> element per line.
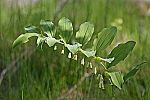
<point x="63" y="34"/>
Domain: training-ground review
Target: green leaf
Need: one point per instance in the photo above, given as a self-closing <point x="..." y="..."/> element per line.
<point x="120" y="52"/>
<point x="104" y="39"/>
<point x="85" y="33"/>
<point x="23" y="38"/>
<point x="66" y="29"/>
<point x="51" y="41"/>
<point x="117" y="78"/>
<point x="48" y="27"/>
<point x="88" y="52"/>
<point x="132" y="72"/>
<point x="31" y="29"/>
<point x="73" y="48"/>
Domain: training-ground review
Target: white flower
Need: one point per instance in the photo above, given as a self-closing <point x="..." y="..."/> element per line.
<point x="55" y="47"/>
<point x="63" y="51"/>
<point x="69" y="55"/>
<point x="82" y="61"/>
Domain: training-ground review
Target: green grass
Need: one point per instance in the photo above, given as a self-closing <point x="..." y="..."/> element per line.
<point x="46" y="74"/>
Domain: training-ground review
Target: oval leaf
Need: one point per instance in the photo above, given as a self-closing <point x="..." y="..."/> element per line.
<point x="132" y="72"/>
<point x="117" y="78"/>
<point x="31" y="29"/>
<point x="85" y="33"/>
<point x="73" y="48"/>
<point x="88" y="53"/>
<point x="66" y="28"/>
<point x="109" y="60"/>
<point x="105" y="37"/>
<point x="48" y="27"/>
<point x="23" y="38"/>
<point x="51" y="41"/>
<point x="120" y="52"/>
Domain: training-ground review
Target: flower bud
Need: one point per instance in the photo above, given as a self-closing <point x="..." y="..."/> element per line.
<point x="82" y="61"/>
<point x="101" y="82"/>
<point x="62" y="51"/>
<point x="55" y="47"/>
<point x="91" y="65"/>
<point x="75" y="57"/>
<point x="69" y="55"/>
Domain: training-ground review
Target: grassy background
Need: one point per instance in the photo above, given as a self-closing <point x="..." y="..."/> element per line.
<point x="44" y="75"/>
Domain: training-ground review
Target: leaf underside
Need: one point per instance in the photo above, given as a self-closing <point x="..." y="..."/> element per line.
<point x="88" y="52"/>
<point x="23" y="38"/>
<point x="73" y="48"/>
<point x="117" y="79"/>
<point x="51" y="41"/>
<point x="31" y="29"/>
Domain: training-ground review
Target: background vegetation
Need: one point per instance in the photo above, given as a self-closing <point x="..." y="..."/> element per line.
<point x="35" y="74"/>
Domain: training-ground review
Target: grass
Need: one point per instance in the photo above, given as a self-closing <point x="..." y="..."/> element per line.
<point x="46" y="74"/>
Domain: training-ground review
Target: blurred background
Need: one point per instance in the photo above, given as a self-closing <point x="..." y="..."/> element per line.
<point x="29" y="73"/>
